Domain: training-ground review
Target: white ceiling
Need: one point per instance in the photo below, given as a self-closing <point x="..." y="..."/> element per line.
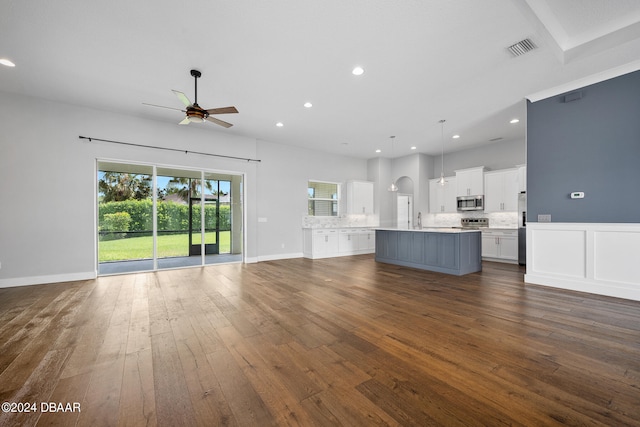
<point x="424" y="60"/>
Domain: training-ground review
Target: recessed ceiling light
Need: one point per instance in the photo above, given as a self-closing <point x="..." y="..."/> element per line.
<point x="414" y="147"/>
<point x="279" y="124"/>
<point x="378" y="151"/>
<point x="513" y="121"/>
<point x="6" y="62"/>
<point x="308" y="105"/>
<point x="455" y="136"/>
<point x="358" y="71"/>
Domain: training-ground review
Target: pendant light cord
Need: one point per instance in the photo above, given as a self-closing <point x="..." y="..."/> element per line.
<point x="442" y="152"/>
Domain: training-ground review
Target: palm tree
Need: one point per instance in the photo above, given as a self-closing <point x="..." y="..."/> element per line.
<point x="119" y="186"/>
<point x="188" y="187"/>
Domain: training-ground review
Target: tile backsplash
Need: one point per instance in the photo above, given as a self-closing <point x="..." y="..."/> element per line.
<point x="496" y="220"/>
<point x="340" y="222"/>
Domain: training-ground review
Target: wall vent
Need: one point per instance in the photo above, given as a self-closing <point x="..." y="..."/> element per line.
<point x="522" y="47"/>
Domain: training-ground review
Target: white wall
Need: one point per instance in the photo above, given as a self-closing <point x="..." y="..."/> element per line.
<point x="282" y="193"/>
<point x="48" y="183"/>
<point x="495" y="156"/>
<point x="417" y="168"/>
<point x="379" y="172"/>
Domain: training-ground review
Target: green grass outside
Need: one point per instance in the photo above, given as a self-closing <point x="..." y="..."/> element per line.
<point x="168" y="246"/>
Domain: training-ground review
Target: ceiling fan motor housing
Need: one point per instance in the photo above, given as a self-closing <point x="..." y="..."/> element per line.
<point x="196" y="114"/>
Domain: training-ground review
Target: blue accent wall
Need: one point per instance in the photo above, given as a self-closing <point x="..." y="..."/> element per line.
<point x="592" y="145"/>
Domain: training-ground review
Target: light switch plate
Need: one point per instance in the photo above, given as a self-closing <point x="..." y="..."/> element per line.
<point x="544" y="218"/>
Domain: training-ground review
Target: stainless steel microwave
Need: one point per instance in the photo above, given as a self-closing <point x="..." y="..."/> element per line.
<point x="470" y="203"/>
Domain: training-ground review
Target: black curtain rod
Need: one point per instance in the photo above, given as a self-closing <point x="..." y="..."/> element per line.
<point x="169" y="149"/>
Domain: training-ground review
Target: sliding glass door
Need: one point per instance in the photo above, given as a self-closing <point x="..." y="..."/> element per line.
<point x="125" y="213"/>
<point x="152" y="217"/>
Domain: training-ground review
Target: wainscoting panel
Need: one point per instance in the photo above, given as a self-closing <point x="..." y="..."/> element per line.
<point x="596" y="258"/>
<point x="560" y="252"/>
<point x="617" y="256"/>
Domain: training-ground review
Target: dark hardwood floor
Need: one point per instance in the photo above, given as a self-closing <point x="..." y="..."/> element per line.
<point x="343" y="341"/>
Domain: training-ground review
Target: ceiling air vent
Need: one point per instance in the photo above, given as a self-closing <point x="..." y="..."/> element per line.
<point x="522" y="47"/>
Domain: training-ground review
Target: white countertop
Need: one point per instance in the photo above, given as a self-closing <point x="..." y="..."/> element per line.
<point x="429" y="230"/>
<point x="358" y="227"/>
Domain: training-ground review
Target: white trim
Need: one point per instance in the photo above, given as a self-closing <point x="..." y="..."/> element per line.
<point x="585" y="81"/>
<point x="278" y="256"/>
<point x="41" y="280"/>
<point x="586" y="257"/>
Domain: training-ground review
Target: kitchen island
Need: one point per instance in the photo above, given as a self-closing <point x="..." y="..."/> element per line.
<point x="445" y="250"/>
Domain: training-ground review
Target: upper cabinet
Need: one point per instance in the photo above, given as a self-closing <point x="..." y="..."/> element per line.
<point x="501" y="191"/>
<point x="442" y="198"/>
<point x="470" y="182"/>
<point x="359" y="197"/>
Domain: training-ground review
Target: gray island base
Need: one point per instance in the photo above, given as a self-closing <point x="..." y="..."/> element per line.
<point x="445" y="250"/>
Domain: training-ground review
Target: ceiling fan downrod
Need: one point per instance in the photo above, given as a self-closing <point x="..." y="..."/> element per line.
<point x="196" y="74"/>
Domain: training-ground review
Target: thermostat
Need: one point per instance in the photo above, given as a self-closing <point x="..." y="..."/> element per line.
<point x="577" y="195"/>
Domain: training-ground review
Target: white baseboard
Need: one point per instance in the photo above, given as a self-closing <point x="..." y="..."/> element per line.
<point x="279" y="256"/>
<point x="608" y="289"/>
<point x="41" y="280"/>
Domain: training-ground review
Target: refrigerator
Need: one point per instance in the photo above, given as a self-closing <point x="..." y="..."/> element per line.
<point x="522" y="228"/>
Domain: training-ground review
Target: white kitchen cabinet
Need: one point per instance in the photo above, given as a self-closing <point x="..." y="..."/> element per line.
<point x="367" y="241"/>
<point x="501" y="191"/>
<point x="359" y="197"/>
<point x="325" y="242"/>
<point x="442" y="198"/>
<point x="500" y="245"/>
<point x="348" y="241"/>
<point x="333" y="242"/>
<point x="470" y="182"/>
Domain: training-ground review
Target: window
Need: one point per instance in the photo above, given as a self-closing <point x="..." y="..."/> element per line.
<point x="323" y="198"/>
<point x="154" y="217"/>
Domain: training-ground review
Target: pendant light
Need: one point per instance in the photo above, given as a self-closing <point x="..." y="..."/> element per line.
<point x="393" y="187"/>
<point x="442" y="181"/>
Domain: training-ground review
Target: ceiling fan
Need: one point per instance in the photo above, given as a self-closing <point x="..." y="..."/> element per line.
<point x="194" y="112"/>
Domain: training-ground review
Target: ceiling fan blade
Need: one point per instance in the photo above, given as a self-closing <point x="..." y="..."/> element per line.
<point x="162" y="106"/>
<point x="223" y="110"/>
<point x="182" y="97"/>
<point x="219" y="122"/>
<point x="185" y="121"/>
